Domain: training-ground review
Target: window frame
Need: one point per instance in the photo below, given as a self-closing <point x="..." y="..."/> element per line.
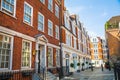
<point x="42" y="1"/>
<point x="57" y="32"/>
<point x="51" y="4"/>
<point x="11" y="53"/>
<point x="50" y="57"/>
<point x="29" y="55"/>
<point x="57" y="10"/>
<point x="40" y="22"/>
<point x="4" y="10"/>
<point x="31" y="23"/>
<point x="75" y="43"/>
<point x="49" y="27"/>
<point x="58" y="56"/>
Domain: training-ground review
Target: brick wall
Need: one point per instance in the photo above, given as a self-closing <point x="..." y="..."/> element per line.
<point x="17" y="50"/>
<point x="113" y="42"/>
<point x="18" y="25"/>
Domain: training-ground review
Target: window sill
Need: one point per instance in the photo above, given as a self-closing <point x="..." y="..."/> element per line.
<point x="27" y="23"/>
<point x="26" y="68"/>
<point x="4" y="70"/>
<point x="57" y="38"/>
<point x="41" y="31"/>
<point x="50" y="35"/>
<point x="8" y="14"/>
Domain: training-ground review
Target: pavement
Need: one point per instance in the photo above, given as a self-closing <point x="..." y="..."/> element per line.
<point x="96" y="74"/>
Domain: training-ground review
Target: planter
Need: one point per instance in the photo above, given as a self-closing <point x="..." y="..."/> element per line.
<point x="26" y="74"/>
<point x="78" y="70"/>
<point x="5" y="76"/>
<point x="70" y="73"/>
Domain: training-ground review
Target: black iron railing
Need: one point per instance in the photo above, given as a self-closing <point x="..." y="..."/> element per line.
<point x="42" y="72"/>
<point x="117" y="71"/>
<point x="17" y="75"/>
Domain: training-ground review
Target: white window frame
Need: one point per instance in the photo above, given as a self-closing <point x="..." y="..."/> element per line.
<point x="30" y="54"/>
<point x="51" y="4"/>
<point x="73" y="28"/>
<point x="43" y="21"/>
<point x="11" y="54"/>
<point x="7" y="11"/>
<point x="56" y="10"/>
<point x="52" y="57"/>
<point x="49" y="27"/>
<point x="58" y="56"/>
<point x="68" y="38"/>
<point x="31" y="23"/>
<point x="42" y="1"/>
<point x="75" y="44"/>
<point x="57" y="32"/>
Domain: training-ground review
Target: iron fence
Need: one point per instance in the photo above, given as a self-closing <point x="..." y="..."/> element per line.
<point x="117" y="71"/>
<point x="17" y="75"/>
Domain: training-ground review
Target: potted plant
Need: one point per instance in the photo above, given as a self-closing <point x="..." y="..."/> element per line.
<point x="89" y="65"/>
<point x="83" y="66"/>
<point x="78" y="64"/>
<point x="72" y="66"/>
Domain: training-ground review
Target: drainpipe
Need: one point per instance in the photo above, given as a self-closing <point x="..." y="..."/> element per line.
<point x="60" y="37"/>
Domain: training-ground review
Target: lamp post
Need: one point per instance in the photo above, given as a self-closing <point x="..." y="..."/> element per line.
<point x="108" y="57"/>
<point x="39" y="59"/>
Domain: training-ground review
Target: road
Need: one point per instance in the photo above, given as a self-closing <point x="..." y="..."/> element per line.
<point x="97" y="74"/>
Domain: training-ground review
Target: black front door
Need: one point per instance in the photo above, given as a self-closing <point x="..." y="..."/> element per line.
<point x="67" y="66"/>
<point x="39" y="59"/>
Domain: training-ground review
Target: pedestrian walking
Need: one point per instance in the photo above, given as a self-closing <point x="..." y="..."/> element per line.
<point x="91" y="67"/>
<point x="102" y="67"/>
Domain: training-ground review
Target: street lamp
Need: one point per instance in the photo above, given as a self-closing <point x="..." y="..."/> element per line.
<point x="108" y="57"/>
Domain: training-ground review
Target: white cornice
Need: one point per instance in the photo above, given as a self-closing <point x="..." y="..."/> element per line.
<point x="72" y="50"/>
<point x="14" y="33"/>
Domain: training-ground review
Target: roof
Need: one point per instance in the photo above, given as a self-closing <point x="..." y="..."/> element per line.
<point x="114" y="19"/>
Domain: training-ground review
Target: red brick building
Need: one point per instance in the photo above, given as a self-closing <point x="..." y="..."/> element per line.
<point x="113" y="37"/>
<point x="29" y="34"/>
<point x="96" y="51"/>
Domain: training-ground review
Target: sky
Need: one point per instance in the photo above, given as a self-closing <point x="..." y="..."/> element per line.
<point x="94" y="13"/>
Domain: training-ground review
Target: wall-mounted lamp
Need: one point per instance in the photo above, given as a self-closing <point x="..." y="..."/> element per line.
<point x="34" y="52"/>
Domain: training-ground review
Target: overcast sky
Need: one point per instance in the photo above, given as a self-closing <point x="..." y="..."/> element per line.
<point x="94" y="13"/>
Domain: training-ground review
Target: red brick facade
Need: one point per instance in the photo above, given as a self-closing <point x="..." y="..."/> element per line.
<point x="16" y="24"/>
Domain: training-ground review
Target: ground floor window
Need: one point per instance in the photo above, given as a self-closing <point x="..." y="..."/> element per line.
<point x="50" y="57"/>
<point x="26" y="53"/>
<point x="57" y="57"/>
<point x="5" y="51"/>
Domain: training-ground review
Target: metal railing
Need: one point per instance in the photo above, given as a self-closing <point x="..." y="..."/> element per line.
<point x="17" y="75"/>
<point x="42" y="72"/>
<point x="117" y="71"/>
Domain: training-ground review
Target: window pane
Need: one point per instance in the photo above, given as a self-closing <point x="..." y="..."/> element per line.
<point x="8" y="5"/>
<point x="50" y="5"/>
<point x="40" y="22"/>
<point x="26" y="54"/>
<point x="50" y="28"/>
<point x="5" y="51"/>
<point x="27" y="13"/>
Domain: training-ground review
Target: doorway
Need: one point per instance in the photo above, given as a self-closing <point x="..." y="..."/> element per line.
<point x="67" y="63"/>
<point x="40" y="58"/>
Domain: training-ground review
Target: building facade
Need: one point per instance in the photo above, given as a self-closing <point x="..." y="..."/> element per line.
<point x="112" y="27"/>
<point x="29" y="34"/>
<point x="96" y="51"/>
<point x="105" y="50"/>
<point x="75" y="44"/>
